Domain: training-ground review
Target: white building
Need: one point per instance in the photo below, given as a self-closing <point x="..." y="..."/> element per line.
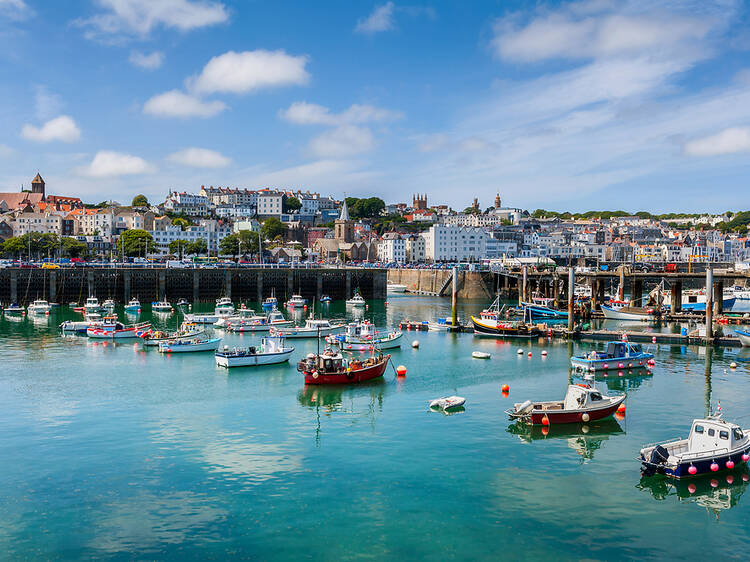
<point x="493" y="218"/>
<point x="270" y="203"/>
<point x="191" y="204"/>
<point x="46" y="223"/>
<point x="235" y="212"/>
<point x="392" y="248"/>
<point x="415" y="248"/>
<point x="455" y="243"/>
<point x="93" y="222"/>
<point x="209" y="230"/>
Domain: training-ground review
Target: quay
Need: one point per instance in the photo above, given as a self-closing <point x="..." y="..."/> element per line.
<point x="66" y="285"/>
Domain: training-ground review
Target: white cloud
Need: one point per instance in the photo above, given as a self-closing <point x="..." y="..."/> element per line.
<point x="47" y="103"/>
<point x="107" y="163"/>
<point x="728" y="141"/>
<point x="139" y="17"/>
<point x="178" y="104"/>
<point x="303" y="113"/>
<point x="61" y="128"/>
<point x="150" y="61"/>
<point x="381" y="19"/>
<point x="199" y="158"/>
<point x="343" y="141"/>
<point x="240" y="73"/>
<point x="16" y="10"/>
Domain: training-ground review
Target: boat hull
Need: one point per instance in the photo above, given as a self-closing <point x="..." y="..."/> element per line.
<point x="575" y="416"/>
<point x="391" y="342"/>
<point x="727" y="304"/>
<point x="103" y="334"/>
<point x="252" y="360"/>
<point x="210" y="345"/>
<point x="744" y="337"/>
<point x="702" y="466"/>
<point x="619" y="314"/>
<point x="538" y="311"/>
<point x="308" y="333"/>
<point x="348" y="377"/>
<point x="504" y="330"/>
<point x="611" y="364"/>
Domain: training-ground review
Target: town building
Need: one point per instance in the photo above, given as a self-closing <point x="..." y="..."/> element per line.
<point x="392" y="248"/>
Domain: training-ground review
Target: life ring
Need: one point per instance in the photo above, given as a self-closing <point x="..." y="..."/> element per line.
<point x="315" y="374"/>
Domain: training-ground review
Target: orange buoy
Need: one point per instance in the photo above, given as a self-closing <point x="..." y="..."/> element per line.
<point x="545" y="420"/>
<point x="505" y="388"/>
<point x="401" y="371"/>
<point x="621" y="408"/>
<point x="545" y="430"/>
<point x="505" y="393"/>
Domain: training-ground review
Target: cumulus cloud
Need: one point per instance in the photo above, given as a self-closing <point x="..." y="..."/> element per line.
<point x="728" y="141"/>
<point x="244" y="72"/>
<point x="179" y="104"/>
<point x="15" y="10"/>
<point x="343" y="141"/>
<point x="199" y="158"/>
<point x="381" y="19"/>
<point x="140" y="17"/>
<point x="147" y="61"/>
<point x="303" y="113"/>
<point x="107" y="163"/>
<point x="61" y="128"/>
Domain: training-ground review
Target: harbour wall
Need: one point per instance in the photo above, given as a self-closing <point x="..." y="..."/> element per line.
<point x="201" y="284"/>
<point x="471" y="284"/>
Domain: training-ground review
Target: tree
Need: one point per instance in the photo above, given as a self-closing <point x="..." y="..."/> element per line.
<point x="178" y="247"/>
<point x="292" y="205"/>
<point x="197" y="248"/>
<point x="73" y="248"/>
<point x="272" y="227"/>
<point x="14" y="246"/>
<point x="140" y="200"/>
<point x="471" y="211"/>
<point x="242" y="243"/>
<point x="182" y="223"/>
<point x="369" y="208"/>
<point x="136" y="242"/>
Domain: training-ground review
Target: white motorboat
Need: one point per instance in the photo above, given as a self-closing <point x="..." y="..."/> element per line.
<point x="362" y="336"/>
<point x="312" y="329"/>
<point x="270" y="351"/>
<point x="744" y="336"/>
<point x="39" y="307"/>
<point x="161" y="306"/>
<point x="447" y="403"/>
<point x="189" y="345"/>
<point x="441" y="325"/>
<point x="109" y="305"/>
<point x="208" y="318"/>
<point x="224" y="302"/>
<point x="111" y="329"/>
<point x="270" y="303"/>
<point x="134" y="305"/>
<point x="14" y="310"/>
<point x="240" y="314"/>
<point x="356" y="301"/>
<point x="276" y="318"/>
<point x="395" y="288"/>
<point x="74" y="326"/>
<point x="92" y="305"/>
<point x="183" y="303"/>
<point x="296" y="302"/>
<point x="480" y="355"/>
<point x="628" y="313"/>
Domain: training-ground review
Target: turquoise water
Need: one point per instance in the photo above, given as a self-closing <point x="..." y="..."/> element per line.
<point x="110" y="451"/>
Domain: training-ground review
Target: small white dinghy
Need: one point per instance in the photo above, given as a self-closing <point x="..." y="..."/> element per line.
<point x="480" y="355"/>
<point x="447" y="403"/>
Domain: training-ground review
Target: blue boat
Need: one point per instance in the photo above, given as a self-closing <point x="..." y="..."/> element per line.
<point x="541" y="311"/>
<point x="713" y="445"/>
<point x="619" y="355"/>
<point x="727" y="304"/>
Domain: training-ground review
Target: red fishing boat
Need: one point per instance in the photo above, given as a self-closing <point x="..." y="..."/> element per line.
<point x="330" y="367"/>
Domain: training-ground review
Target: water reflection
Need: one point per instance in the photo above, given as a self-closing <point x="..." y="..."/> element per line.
<point x="584" y="439"/>
<point x="623" y="380"/>
<point x="714" y="492"/>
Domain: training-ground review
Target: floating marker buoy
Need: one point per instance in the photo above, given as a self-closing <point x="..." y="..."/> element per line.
<point x="545" y="420"/>
<point x="544" y="353"/>
<point x="620" y="366"/>
<point x="691" y="488"/>
<point x="730" y="478"/>
<point x="529" y="354"/>
<point x="653" y="340"/>
<point x="733" y="365"/>
<point x="606" y="365"/>
<point x="585" y="417"/>
<point x="505" y="388"/>
<point x="480" y="355"/>
<point x="745" y="457"/>
<point x="714" y="466"/>
<point x="692" y="469"/>
<point x="730" y="464"/>
<point x="505" y="393"/>
<point x="545" y="430"/>
<point x="619" y="373"/>
<point x="415" y="344"/>
<point x="520" y="351"/>
<point x="714" y="483"/>
<point x="621" y="408"/>
<point x="401" y="371"/>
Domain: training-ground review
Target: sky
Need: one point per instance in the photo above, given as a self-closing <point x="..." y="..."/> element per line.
<point x="581" y="105"/>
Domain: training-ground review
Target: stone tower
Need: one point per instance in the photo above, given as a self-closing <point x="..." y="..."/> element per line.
<point x="37" y="185"/>
<point x="343" y="229"/>
<point x="419" y="202"/>
<point x="475" y="204"/>
<point x="497" y="201"/>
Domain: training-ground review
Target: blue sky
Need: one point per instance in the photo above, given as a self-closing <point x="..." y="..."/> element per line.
<point x="573" y="105"/>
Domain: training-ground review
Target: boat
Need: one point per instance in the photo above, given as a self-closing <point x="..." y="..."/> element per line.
<point x="441" y="325"/>
<point x="270" y="352"/>
<point x="447" y="403"/>
<point x="134" y="305"/>
<point x="330" y="367"/>
<point x="183" y="303"/>
<point x="312" y="329"/>
<point x="325" y="299"/>
<point x="152" y="338"/>
<point x="241" y="314"/>
<point x="628" y="313"/>
<point x="395" y="288"/>
<point x="39" y="307"/>
<point x="491" y="323"/>
<point x="356" y="301"/>
<point x="271" y="302"/>
<point x="296" y="302"/>
<point x="161" y="306"/>
<point x="92" y="305"/>
<point x="109" y="305"/>
<point x="362" y="336"/>
<point x="738" y="292"/>
<point x="694" y="300"/>
<point x="255" y="324"/>
<point x="712" y="445"/>
<point x="224" y="302"/>
<point x="480" y="355"/>
<point x="583" y="402"/>
<point x="539" y="310"/>
<point x="224" y="309"/>
<point x="110" y="328"/>
<point x="74" y="326"/>
<point x="14" y="310"/>
<point x="744" y="336"/>
<point x="618" y="355"/>
<point x="187" y="345"/>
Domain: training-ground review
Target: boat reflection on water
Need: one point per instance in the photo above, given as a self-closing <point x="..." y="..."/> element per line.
<point x="624" y="380"/>
<point x="583" y="438"/>
<point x="714" y="492"/>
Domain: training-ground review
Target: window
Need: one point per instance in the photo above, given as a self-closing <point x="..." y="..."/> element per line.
<point x="698" y="429"/>
<point x="737" y="433"/>
<point x="711" y="432"/>
<point x="724" y="435"/>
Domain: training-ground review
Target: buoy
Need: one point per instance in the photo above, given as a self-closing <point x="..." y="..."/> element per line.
<point x="730" y="479"/>
<point x="620" y="366"/>
<point x="691" y="488"/>
<point x="653" y="340"/>
<point x="714" y="466"/>
<point x="606" y="365"/>
<point x="630" y="365"/>
<point x="545" y="430"/>
<point x="585" y="429"/>
<point x="585" y="417"/>
<point x="415" y="344"/>
<point x="714" y="483"/>
<point x="733" y="365"/>
<point x="692" y="469"/>
<point x="529" y="354"/>
<point x="619" y="416"/>
<point x="480" y="355"/>
<point x="730" y="464"/>
<point x="505" y="388"/>
<point x="401" y="371"/>
<point x="505" y="393"/>
<point x="621" y="408"/>
<point x="619" y="373"/>
<point x="545" y="420"/>
<point x="544" y="353"/>
<point x="745" y="457"/>
<point x="520" y="351"/>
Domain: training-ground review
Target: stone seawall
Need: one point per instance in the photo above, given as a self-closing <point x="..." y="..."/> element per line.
<point x="121" y="284"/>
<point x="471" y="284"/>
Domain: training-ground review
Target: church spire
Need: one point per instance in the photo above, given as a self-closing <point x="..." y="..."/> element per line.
<point x="344" y="212"/>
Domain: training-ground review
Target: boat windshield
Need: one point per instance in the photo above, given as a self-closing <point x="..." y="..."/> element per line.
<point x="635" y="348"/>
<point x="738" y="435"/>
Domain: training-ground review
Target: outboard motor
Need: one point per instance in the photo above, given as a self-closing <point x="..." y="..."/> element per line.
<point x="658" y="459"/>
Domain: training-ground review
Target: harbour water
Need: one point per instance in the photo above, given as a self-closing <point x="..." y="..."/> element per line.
<point x="110" y="451"/>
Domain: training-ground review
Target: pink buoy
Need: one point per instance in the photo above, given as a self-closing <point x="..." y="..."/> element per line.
<point x="606" y="365"/>
<point x="730" y="479"/>
<point x="691" y="488"/>
<point x="745" y="457"/>
<point x="692" y="469"/>
<point x="730" y="464"/>
<point x="653" y="340"/>
<point x="714" y="483"/>
<point x="529" y="354"/>
<point x="620" y="366"/>
<point x="714" y="467"/>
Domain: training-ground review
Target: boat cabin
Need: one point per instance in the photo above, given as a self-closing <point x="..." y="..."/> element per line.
<point x="314" y="324"/>
<point x="360" y="329"/>
<point x="712" y="434"/>
<point x="276" y="316"/>
<point x="581" y="396"/>
<point x="617" y="349"/>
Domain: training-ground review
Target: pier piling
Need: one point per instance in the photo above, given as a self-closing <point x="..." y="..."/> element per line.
<point x="709" y="305"/>
<point x="454" y="296"/>
<point x="571" y="296"/>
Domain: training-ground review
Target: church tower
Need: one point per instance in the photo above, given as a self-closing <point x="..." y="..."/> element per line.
<point x="419" y="202"/>
<point x="37" y="185"/>
<point x="497" y="201"/>
<point x="343" y="229"/>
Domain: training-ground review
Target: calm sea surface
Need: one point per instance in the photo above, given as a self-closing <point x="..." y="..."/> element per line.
<point x="110" y="451"/>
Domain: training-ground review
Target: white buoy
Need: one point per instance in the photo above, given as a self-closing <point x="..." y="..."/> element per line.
<point x="415" y="344"/>
<point x="733" y="365"/>
<point x="480" y="355"/>
<point x="520" y="351"/>
<point x="544" y="353"/>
